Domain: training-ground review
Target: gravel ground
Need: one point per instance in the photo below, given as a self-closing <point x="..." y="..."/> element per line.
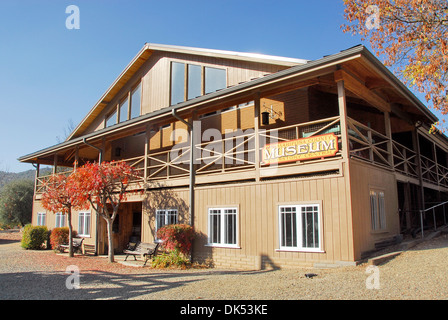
<point x="420" y="273"/>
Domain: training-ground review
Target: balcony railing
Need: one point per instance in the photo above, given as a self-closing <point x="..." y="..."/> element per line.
<point x="235" y="152"/>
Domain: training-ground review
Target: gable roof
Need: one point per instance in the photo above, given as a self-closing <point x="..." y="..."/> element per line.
<point x="356" y="52"/>
<point x="147" y="50"/>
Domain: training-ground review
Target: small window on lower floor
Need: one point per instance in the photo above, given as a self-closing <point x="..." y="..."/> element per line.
<point x="165" y="217"/>
<point x="377" y="210"/>
<point x="41" y="218"/>
<point x="222" y="227"/>
<point x="84" y="224"/>
<point x="300" y="227"/>
<point x="60" y="220"/>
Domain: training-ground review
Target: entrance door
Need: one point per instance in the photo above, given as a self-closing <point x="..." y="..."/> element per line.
<point x="136" y="225"/>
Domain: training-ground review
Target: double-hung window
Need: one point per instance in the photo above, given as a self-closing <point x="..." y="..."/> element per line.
<point x="300" y="227"/>
<point x="84" y="224"/>
<point x="165" y="217"/>
<point x="41" y="218"/>
<point x="377" y="210"/>
<point x="223" y="227"/>
<point x="60" y="220"/>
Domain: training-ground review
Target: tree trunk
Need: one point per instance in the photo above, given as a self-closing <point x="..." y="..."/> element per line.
<point x="110" y="240"/>
<point x="70" y="234"/>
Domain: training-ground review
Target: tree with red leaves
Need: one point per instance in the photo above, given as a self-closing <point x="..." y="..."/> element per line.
<point x="61" y="195"/>
<point x="412" y="35"/>
<point x="104" y="185"/>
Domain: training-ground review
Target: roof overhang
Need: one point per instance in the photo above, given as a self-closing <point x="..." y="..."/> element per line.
<point x="247" y="89"/>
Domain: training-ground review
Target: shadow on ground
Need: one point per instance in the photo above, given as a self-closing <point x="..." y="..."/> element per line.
<point x="96" y="284"/>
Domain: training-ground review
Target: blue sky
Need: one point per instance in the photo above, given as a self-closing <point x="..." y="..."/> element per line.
<point x="50" y="75"/>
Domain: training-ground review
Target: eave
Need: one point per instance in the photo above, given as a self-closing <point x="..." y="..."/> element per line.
<point x="300" y="74"/>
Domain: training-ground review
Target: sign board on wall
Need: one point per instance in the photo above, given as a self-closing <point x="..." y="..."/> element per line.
<point x="314" y="147"/>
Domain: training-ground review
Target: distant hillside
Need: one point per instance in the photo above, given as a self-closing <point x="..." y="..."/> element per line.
<point x="6" y="177"/>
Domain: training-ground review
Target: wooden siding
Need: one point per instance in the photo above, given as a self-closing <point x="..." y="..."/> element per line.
<point x="154" y="75"/>
<point x="363" y="178"/>
<point x="51" y="221"/>
<point x="258" y="236"/>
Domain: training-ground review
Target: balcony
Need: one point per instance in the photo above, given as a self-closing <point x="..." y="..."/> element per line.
<point x="233" y="157"/>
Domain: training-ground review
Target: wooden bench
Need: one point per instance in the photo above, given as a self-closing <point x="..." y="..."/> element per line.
<point x="147" y="250"/>
<point x="77" y="245"/>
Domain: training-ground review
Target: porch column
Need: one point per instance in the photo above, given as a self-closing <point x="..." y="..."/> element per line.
<point x="257" y="136"/>
<point x="75" y="165"/>
<point x="390" y="148"/>
<point x="342" y="102"/>
<point x="416" y="145"/>
<point x="55" y="164"/>
<point x="146" y="153"/>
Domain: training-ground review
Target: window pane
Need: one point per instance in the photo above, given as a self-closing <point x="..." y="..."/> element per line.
<point x="135" y="102"/>
<point x="382" y="210"/>
<point x="81" y="223"/>
<point x="310" y="230"/>
<point x="194" y="81"/>
<point x="87" y="223"/>
<point x="215" y="226"/>
<point x="374" y="209"/>
<point x="177" y="82"/>
<point x="230" y="226"/>
<point x="112" y="119"/>
<point x="215" y="79"/>
<point x="288" y="227"/>
<point x="124" y="110"/>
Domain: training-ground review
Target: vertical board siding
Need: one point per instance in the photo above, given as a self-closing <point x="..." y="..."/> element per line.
<point x="258" y="222"/>
<point x="364" y="177"/>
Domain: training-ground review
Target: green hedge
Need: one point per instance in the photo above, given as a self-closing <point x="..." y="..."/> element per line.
<point x="34" y="237"/>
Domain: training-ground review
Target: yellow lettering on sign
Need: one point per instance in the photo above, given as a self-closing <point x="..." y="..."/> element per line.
<point x="321" y="146"/>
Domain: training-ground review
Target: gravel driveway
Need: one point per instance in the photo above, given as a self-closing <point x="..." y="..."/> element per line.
<point x="420" y="273"/>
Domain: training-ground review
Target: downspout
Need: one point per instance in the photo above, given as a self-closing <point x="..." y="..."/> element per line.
<point x="97" y="217"/>
<point x="95" y="147"/>
<point x="192" y="171"/>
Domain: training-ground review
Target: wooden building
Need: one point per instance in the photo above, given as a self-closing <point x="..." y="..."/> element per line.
<point x="274" y="161"/>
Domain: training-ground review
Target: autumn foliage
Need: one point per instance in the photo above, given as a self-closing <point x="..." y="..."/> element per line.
<point x="412" y="36"/>
<point x="177" y="237"/>
<point x="104" y="186"/>
<point x="62" y="194"/>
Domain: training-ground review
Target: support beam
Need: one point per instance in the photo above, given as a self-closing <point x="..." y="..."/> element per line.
<point x="343" y="119"/>
<point x="192" y="167"/>
<point x="388" y="128"/>
<point x="357" y="87"/>
<point x="257" y="135"/>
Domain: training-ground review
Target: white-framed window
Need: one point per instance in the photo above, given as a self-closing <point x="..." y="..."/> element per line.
<point x="60" y="220"/>
<point x="41" y="218"/>
<point x="300" y="227"/>
<point x="377" y="210"/>
<point x="84" y="224"/>
<point x="223" y="227"/>
<point x="165" y="217"/>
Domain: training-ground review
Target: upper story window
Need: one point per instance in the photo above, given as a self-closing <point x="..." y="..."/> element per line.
<point x="128" y="108"/>
<point x="189" y="81"/>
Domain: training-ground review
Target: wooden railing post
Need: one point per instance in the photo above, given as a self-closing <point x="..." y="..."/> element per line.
<point x="343" y="119"/>
<point x="390" y="149"/>
<point x="257" y="135"/>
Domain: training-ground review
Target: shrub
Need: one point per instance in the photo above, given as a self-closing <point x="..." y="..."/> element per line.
<point x="60" y="236"/>
<point x="177" y="237"/>
<point x="172" y="259"/>
<point x="34" y="237"/>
